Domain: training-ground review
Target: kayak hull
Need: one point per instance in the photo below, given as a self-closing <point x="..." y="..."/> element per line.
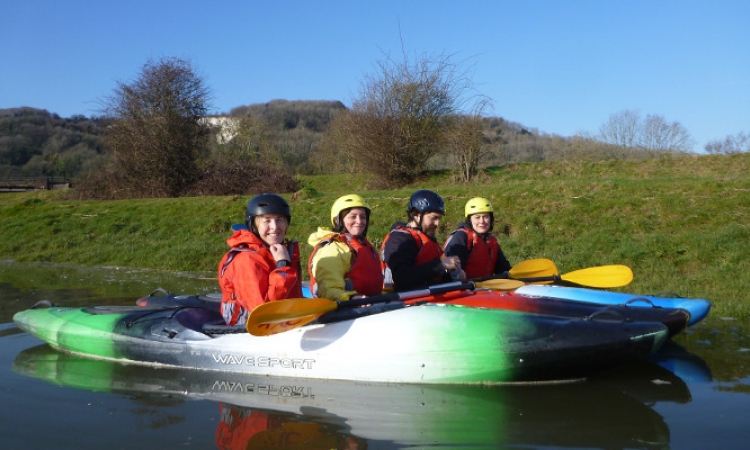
<point x="442" y="344"/>
<point x="697" y="307"/>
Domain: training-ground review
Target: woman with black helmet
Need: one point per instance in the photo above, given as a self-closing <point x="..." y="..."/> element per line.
<point x="474" y="244"/>
<point x="262" y="265"/>
<point x="412" y="257"/>
<point x="343" y="263"/>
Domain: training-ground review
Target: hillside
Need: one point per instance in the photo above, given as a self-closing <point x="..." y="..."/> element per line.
<point x="681" y="224"/>
<point x="35" y="142"/>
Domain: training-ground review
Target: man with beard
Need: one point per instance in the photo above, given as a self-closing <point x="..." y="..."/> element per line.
<point x="412" y="257"/>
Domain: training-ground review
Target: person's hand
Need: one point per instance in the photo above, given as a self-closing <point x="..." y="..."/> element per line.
<point x="279" y="252"/>
<point x="450" y="263"/>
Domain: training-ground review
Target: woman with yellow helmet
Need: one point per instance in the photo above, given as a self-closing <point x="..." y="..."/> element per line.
<point x="343" y="263"/>
<point x="474" y="243"/>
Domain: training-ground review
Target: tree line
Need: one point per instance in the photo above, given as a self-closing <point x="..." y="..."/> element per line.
<point x="152" y="138"/>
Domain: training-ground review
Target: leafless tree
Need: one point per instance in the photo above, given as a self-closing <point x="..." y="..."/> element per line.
<point x="156" y="136"/>
<point x="401" y="116"/>
<point x="739" y="143"/>
<point x="627" y="130"/>
<point x="659" y="135"/>
<point x="621" y="128"/>
<point x="466" y="144"/>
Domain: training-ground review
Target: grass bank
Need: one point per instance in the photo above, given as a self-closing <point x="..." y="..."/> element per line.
<point x="680" y="224"/>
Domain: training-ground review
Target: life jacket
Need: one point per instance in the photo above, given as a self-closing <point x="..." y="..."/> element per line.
<point x="365" y="274"/>
<point x="483" y="252"/>
<point x="231" y="309"/>
<point x="429" y="250"/>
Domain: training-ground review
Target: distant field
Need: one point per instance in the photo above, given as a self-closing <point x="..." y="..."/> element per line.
<point x="681" y="224"/>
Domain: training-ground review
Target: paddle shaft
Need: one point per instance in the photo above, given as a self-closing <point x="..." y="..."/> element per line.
<point x="396" y="296"/>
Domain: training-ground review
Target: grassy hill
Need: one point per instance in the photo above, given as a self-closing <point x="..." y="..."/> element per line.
<point x="681" y="224"/>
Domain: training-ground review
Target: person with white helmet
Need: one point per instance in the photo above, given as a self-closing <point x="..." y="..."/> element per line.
<point x="412" y="257"/>
<point x="474" y="244"/>
<point x="262" y="265"/>
<point x="343" y="263"/>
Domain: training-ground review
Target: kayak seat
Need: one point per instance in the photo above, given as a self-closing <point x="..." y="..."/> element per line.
<point x="195" y="318"/>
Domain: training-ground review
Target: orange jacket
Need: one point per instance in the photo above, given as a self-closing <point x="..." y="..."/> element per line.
<point x="248" y="276"/>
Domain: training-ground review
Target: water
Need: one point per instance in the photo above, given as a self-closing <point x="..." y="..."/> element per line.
<point x="695" y="394"/>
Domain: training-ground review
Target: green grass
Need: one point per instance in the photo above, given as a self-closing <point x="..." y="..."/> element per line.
<point x="681" y="224"/>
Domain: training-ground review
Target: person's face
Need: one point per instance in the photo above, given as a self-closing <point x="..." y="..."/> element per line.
<point x="355" y="221"/>
<point x="271" y="228"/>
<point x="430" y="222"/>
<point x="480" y="222"/>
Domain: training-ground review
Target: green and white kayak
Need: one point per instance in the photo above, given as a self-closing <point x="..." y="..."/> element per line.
<point x="444" y="344"/>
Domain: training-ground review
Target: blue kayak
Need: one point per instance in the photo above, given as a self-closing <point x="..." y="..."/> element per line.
<point x="697" y="307"/>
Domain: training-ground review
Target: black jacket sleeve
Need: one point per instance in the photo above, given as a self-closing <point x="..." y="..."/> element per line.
<point x="457" y="245"/>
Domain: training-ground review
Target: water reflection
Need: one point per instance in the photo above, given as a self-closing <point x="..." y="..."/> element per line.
<point x="609" y="411"/>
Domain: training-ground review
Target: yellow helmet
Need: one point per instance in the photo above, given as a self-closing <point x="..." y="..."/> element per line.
<point x="347" y="202"/>
<point x="477" y="205"/>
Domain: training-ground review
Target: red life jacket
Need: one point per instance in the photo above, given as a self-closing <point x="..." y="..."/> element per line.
<point x="428" y="248"/>
<point x="482" y="254"/>
<point x="365" y="273"/>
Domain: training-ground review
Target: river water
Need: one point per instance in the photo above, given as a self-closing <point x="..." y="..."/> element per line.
<point x="695" y="394"/>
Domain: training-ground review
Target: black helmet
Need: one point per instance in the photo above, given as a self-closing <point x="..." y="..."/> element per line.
<point x="424" y="201"/>
<point x="267" y="204"/>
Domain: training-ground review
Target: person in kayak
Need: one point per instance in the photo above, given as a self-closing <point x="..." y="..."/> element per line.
<point x="412" y="257"/>
<point x="343" y="263"/>
<point x="474" y="244"/>
<point x="262" y="265"/>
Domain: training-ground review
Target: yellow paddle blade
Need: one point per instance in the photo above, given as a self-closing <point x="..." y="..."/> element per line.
<point x="534" y="268"/>
<point x="283" y="315"/>
<point x="499" y="284"/>
<point x="615" y="275"/>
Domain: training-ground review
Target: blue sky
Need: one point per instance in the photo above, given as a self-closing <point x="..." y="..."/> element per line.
<point x="561" y="67"/>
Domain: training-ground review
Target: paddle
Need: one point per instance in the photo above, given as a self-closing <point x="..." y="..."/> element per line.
<point x="283" y="315"/>
<point x="532" y="268"/>
<point x="599" y="277"/>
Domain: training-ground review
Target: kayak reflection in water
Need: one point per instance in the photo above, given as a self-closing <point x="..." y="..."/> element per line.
<point x="246" y="428"/>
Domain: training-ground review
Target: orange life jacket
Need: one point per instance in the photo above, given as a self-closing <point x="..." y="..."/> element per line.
<point x="365" y="275"/>
<point x="429" y="249"/>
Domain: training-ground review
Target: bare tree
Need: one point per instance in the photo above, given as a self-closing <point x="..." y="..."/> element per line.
<point x="659" y="135"/>
<point x="400" y="118"/>
<point x="626" y="130"/>
<point x="156" y="136"/>
<point x="621" y="128"/>
<point x="466" y="143"/>
<point x="739" y="143"/>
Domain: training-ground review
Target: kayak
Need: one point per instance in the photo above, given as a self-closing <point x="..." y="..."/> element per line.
<point x="611" y="411"/>
<point x="697" y="307"/>
<point x="429" y="343"/>
<point x="675" y="319"/>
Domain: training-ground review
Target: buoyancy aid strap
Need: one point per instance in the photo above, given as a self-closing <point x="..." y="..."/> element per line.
<point x="232" y="253"/>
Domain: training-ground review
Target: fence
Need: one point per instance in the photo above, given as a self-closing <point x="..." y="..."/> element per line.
<point x="15" y="184"/>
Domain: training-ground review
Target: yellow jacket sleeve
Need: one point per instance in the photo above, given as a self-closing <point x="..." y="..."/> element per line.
<point x="329" y="266"/>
